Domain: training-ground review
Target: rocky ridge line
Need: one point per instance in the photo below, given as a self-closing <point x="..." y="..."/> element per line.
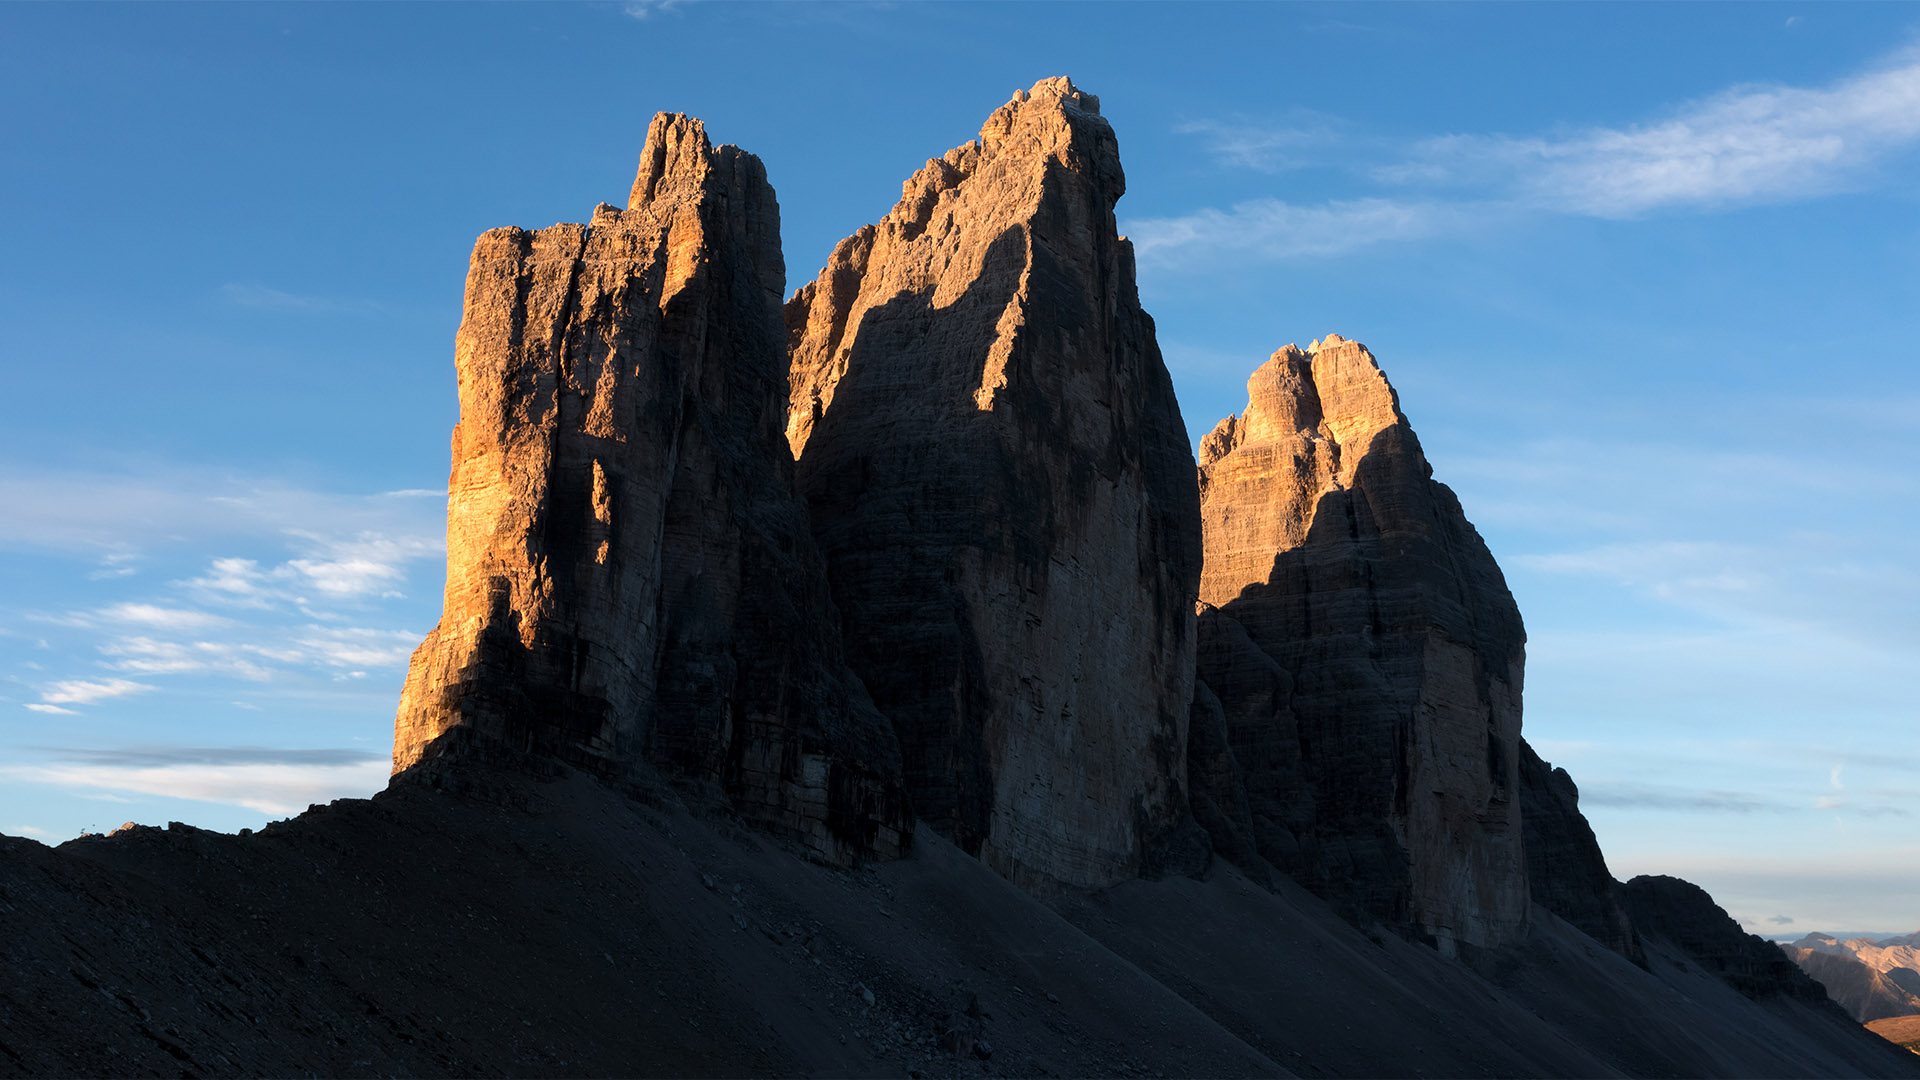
<point x="1363" y="659"/>
<point x="632" y="588"/>
<point x="1000" y="480"/>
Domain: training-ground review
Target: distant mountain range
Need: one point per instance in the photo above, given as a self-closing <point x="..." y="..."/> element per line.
<point x="1871" y="979"/>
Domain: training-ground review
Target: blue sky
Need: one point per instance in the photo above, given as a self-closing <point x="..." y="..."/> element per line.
<point x="1645" y="277"/>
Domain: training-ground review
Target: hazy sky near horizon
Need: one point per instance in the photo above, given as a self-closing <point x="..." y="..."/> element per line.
<point x="1647" y="278"/>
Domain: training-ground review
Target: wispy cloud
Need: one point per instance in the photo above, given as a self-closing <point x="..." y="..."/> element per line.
<point x="356" y="647"/>
<point x="363" y="564"/>
<point x="163" y="618"/>
<point x="83" y="692"/>
<point x="1243" y="144"/>
<point x="368" y="564"/>
<point x="119" y="514"/>
<point x="150" y="656"/>
<point x="262" y="298"/>
<point x="1806" y="582"/>
<point x="306" y="588"/>
<point x="137" y="614"/>
<point x="269" y="784"/>
<point x="1633" y="796"/>
<point x="647" y="9"/>
<point x="1852" y="806"/>
<point x="1274" y="229"/>
<point x="159" y="756"/>
<point x="1746" y="145"/>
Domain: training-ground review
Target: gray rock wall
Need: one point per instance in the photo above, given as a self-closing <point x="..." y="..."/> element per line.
<point x="632" y="586"/>
<point x="1000" y="480"/>
<point x="1380" y="763"/>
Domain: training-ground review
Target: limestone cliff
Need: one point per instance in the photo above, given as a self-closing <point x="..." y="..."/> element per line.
<point x="1566" y="873"/>
<point x="1678" y="913"/>
<point x="631" y="582"/>
<point x="1365" y="653"/>
<point x="1000" y="480"/>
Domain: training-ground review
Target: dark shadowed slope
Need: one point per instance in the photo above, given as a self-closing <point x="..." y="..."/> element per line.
<point x="559" y="929"/>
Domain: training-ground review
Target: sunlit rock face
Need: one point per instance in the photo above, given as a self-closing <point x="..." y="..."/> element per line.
<point x="1364" y="657"/>
<point x="632" y="586"/>
<point x="1001" y="482"/>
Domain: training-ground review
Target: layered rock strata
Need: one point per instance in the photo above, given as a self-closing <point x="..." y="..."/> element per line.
<point x="1864" y="993"/>
<point x="1566" y="872"/>
<point x="1001" y="482"/>
<point x="1365" y="654"/>
<point x="1681" y="914"/>
<point x="632" y="586"/>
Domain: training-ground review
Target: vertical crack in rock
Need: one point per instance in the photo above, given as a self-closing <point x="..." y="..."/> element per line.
<point x="632" y="584"/>
<point x="1001" y="483"/>
<point x="1363" y="656"/>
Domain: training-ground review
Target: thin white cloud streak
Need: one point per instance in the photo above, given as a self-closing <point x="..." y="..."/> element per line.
<point x="1726" y="537"/>
<point x="52" y="710"/>
<point x="1264" y="149"/>
<point x="148" y="656"/>
<point x="268" y="788"/>
<point x="161" y="618"/>
<point x="1636" y="796"/>
<point x="647" y="9"/>
<point x="85" y="692"/>
<point x="156" y="756"/>
<point x="261" y="298"/>
<point x="137" y="614"/>
<point x="119" y="513"/>
<point x="369" y="564"/>
<point x="1793" y="584"/>
<point x="1273" y="229"/>
<point x="1745" y="145"/>
<point x="359" y="647"/>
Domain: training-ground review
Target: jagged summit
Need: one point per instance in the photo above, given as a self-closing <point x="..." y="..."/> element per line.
<point x="984" y="187"/>
<point x="642" y="649"/>
<point x="1031" y="124"/>
<point x="1363" y="658"/>
<point x="631" y="584"/>
<point x="999" y="477"/>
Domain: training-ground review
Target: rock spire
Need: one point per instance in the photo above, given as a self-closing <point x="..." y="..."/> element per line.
<point x="632" y="588"/>
<point x="1001" y="483"/>
<point x="1363" y="659"/>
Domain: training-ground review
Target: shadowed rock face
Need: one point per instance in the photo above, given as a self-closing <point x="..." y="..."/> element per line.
<point x="999" y="478"/>
<point x="1682" y="914"/>
<point x="1566" y="873"/>
<point x="1365" y="655"/>
<point x="631" y="582"/>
